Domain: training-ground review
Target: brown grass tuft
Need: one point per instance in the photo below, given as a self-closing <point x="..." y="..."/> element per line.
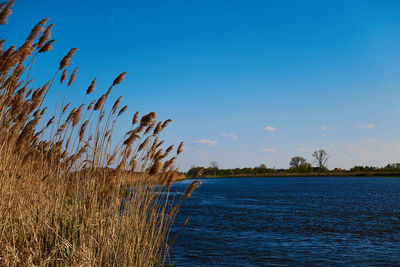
<point x="70" y="194"/>
<point x="6" y="12"/>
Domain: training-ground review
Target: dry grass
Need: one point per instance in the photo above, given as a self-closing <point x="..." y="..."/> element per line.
<point x="64" y="198"/>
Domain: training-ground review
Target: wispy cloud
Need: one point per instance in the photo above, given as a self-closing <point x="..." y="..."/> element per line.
<point x="366" y="126"/>
<point x="231" y="135"/>
<point x="325" y="130"/>
<point x="275" y="137"/>
<point x="306" y="149"/>
<point x="269" y="128"/>
<point x="206" y="142"/>
<point x="269" y="150"/>
<point x="302" y="149"/>
<point x="372" y="141"/>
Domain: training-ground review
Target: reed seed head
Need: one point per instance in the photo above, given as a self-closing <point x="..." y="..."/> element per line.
<point x="143" y="144"/>
<point x="191" y="188"/>
<point x="82" y="130"/>
<point x="66" y="61"/>
<point x="6" y="12"/>
<point x="180" y="148"/>
<point x="158" y="128"/>
<point x="149" y="128"/>
<point x="169" y="149"/>
<point x="65" y="108"/>
<point x="116" y="103"/>
<point x="119" y="79"/>
<point x="132" y="137"/>
<point x="165" y="124"/>
<point x="91" y="87"/>
<point x="147" y="119"/>
<point x="77" y="116"/>
<point x="122" y="110"/>
<point x="91" y="105"/>
<point x="72" y="77"/>
<point x="100" y="103"/>
<point x="45" y="36"/>
<point x="156" y="167"/>
<point x="135" y="118"/>
<point x="63" y="76"/>
<point x="51" y="121"/>
<point x="159" y="144"/>
<point x="47" y="47"/>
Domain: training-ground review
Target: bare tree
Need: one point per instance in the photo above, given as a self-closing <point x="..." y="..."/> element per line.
<point x="321" y="157"/>
<point x="296" y="162"/>
<point x="214" y="166"/>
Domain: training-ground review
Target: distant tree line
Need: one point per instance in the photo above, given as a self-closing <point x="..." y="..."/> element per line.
<point x="297" y="164"/>
<point x="394" y="167"/>
<point x="215" y="171"/>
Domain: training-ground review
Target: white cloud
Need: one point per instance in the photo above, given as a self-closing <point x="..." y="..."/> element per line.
<point x="269" y="128"/>
<point x="302" y="149"/>
<point x="306" y="149"/>
<point x="206" y="142"/>
<point x="326" y="129"/>
<point x="366" y="126"/>
<point x="372" y="141"/>
<point x="231" y="135"/>
<point x="269" y="150"/>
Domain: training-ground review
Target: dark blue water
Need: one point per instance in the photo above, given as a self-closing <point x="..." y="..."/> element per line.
<point x="290" y="222"/>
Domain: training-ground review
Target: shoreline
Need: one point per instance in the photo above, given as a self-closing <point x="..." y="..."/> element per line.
<point x="312" y="174"/>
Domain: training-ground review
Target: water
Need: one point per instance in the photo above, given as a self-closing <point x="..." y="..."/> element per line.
<point x="290" y="222"/>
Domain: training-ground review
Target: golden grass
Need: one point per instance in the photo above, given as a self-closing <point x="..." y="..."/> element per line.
<point x="68" y="196"/>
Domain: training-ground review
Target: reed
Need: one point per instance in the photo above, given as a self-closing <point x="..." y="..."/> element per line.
<point x="68" y="195"/>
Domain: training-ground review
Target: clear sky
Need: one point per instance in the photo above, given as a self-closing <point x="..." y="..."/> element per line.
<point x="245" y="82"/>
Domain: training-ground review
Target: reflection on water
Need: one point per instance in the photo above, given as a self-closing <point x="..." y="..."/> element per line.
<point x="289" y="221"/>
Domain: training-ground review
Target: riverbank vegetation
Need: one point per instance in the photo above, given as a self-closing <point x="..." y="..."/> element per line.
<point x="71" y="195"/>
<point x="298" y="166"/>
<point x="368" y="171"/>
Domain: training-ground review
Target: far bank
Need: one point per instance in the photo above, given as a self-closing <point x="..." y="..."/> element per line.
<point x="310" y="174"/>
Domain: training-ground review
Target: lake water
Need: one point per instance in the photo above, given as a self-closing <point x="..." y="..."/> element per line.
<point x="290" y="222"/>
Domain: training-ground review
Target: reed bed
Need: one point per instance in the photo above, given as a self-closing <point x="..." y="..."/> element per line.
<point x="70" y="195"/>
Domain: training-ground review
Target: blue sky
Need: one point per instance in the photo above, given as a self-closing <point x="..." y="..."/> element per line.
<point x="245" y="82"/>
